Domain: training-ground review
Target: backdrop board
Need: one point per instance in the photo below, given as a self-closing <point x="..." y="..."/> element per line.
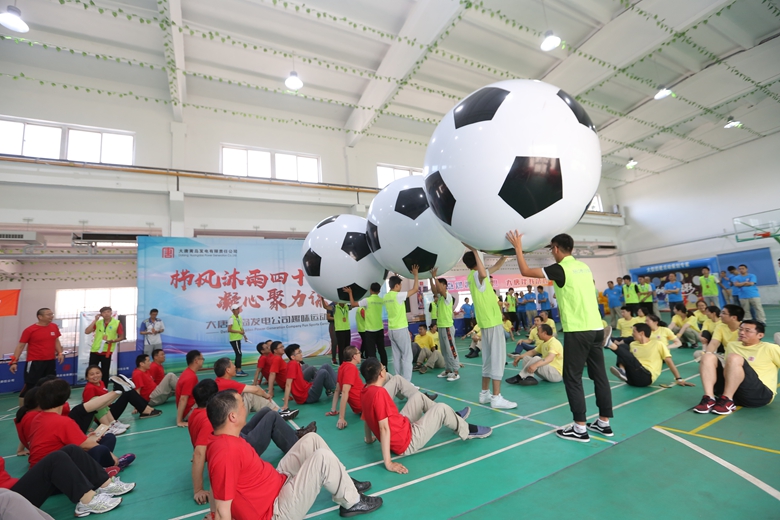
<point x="687" y="273"/>
<point x="193" y="282"/>
<point x="758" y="261"/>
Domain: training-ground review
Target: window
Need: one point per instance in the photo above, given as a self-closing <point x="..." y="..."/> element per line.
<point x="68" y="303"/>
<point x="269" y="164"/>
<point x="59" y="141"/>
<point x="595" y="204"/>
<point x="385" y="174"/>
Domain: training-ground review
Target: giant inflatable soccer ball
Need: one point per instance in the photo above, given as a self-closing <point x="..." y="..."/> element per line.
<point x="403" y="231"/>
<point x="517" y="154"/>
<point x="336" y="255"/>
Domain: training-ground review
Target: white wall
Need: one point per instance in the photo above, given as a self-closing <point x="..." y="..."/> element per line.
<point x="680" y="214"/>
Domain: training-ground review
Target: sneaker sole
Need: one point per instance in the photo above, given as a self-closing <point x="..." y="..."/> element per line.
<point x="503" y="407"/>
<point x="355" y="513"/>
<point x="702" y="411"/>
<point x="601" y="432"/>
<point x="480" y="435"/>
<point x="568" y="438"/>
<point x="87" y="513"/>
<point x="727" y="412"/>
<point x="464" y="417"/>
<point x="124" y="492"/>
<point x="451" y="379"/>
<point x="616" y="372"/>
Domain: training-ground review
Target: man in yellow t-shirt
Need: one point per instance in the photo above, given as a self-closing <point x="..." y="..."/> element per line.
<point x="533" y="338"/>
<point x="546" y="320"/>
<point x="476" y="341"/>
<point x="725" y="332"/>
<point x="640" y="363"/>
<point x="430" y="355"/>
<point x="749" y="377"/>
<point x="544" y="361"/>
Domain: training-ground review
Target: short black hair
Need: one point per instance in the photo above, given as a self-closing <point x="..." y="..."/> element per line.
<point x="220" y="405"/>
<point x="546" y="329"/>
<point x="349" y="353"/>
<point x="156" y="351"/>
<point x="275" y="345"/>
<point x="735" y="310"/>
<point x="442" y="280"/>
<point x="537" y="317"/>
<point x="470" y="260"/>
<point x="705" y="267"/>
<point x="375" y="288"/>
<point x="628" y="277"/>
<point x="422" y="326"/>
<point x="192" y="355"/>
<point x="41" y="310"/>
<point x="394" y="280"/>
<point x="680" y="307"/>
<point x="220" y="366"/>
<point x="153" y="310"/>
<point x="44" y="379"/>
<point x="759" y="326"/>
<point x="743" y="265"/>
<point x="260" y="346"/>
<point x="714" y="309"/>
<point x="53" y="394"/>
<point x="203" y="391"/>
<point x="290" y="349"/>
<point x="140" y="358"/>
<point x="90" y="367"/>
<point x="644" y="328"/>
<point x="731" y="268"/>
<point x="104" y="309"/>
<point x="370" y="370"/>
<point x="564" y="242"/>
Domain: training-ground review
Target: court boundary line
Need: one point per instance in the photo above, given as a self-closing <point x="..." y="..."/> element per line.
<point x="710" y="422"/>
<point x="763" y="486"/>
<point x="725" y="441"/>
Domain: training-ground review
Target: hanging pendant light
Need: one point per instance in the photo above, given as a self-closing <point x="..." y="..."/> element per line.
<point x="12" y="19"/>
<point x="551" y="41"/>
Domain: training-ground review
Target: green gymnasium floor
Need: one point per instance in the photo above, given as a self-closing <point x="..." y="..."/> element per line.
<point x="664" y="460"/>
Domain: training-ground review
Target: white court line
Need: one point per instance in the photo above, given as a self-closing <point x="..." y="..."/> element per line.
<point x="729" y="466"/>
<point x="12" y="409"/>
<point x="196" y="513"/>
<point x="147" y="431"/>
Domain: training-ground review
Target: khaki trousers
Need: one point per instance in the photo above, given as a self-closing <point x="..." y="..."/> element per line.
<point x="399" y="387"/>
<point x="166" y="389"/>
<point x="430" y="358"/>
<point x="425" y="426"/>
<point x="255" y="403"/>
<point x="547" y="372"/>
<point x="310" y="466"/>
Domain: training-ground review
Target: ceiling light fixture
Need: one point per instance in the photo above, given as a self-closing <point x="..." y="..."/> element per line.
<point x="662" y="93"/>
<point x="12" y="19"/>
<point x="550" y="41"/>
<point x="293" y="82"/>
<point x="631" y="164"/>
<point x="732" y="123"/>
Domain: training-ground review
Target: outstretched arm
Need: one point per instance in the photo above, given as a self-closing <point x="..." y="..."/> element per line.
<point x="516" y="239"/>
<point x="416" y="273"/>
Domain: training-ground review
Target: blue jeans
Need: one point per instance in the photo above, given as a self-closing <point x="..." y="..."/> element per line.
<point x="521" y="319"/>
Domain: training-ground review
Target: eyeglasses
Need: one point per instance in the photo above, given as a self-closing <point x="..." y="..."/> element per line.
<point x="748" y="331"/>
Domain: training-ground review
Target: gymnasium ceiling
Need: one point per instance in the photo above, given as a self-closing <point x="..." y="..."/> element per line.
<point x="393" y="67"/>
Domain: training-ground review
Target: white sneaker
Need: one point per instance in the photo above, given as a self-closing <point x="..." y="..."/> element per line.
<point x="444" y="374"/>
<point x="117" y="487"/>
<point x="100" y="503"/>
<point x="453" y="377"/>
<point x="116" y="429"/>
<point x="485" y="397"/>
<point x="123" y="382"/>
<point x="123" y="425"/>
<point x="498" y="402"/>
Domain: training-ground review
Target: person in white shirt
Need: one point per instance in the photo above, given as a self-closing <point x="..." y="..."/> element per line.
<point x="152" y="329"/>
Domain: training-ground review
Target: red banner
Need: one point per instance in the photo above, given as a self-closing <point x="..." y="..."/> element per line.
<point x="9" y="302"/>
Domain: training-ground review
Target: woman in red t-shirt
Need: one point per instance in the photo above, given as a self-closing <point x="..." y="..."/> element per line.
<point x="96" y="388"/>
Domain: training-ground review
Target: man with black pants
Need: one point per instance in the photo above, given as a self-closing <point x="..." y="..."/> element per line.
<point x="235" y="334"/>
<point x="43" y="343"/>
<point x="341" y="326"/>
<point x="109" y="332"/>
<point x="583" y="333"/>
<point x="375" y="329"/>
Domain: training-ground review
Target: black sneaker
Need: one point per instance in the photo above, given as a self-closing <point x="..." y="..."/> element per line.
<point x="514" y="380"/>
<point x="288" y="415"/>
<point x="432" y="397"/>
<point x="367" y="504"/>
<point x="528" y="381"/>
<point x="568" y="433"/>
<point x="362" y="487"/>
<point x="603" y="430"/>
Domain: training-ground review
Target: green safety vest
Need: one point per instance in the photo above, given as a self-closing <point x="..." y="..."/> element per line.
<point x="645" y="287"/>
<point x="629" y="292"/>
<point x="110" y="332"/>
<point x="444" y="311"/>
<point x="576" y="299"/>
<point x="341" y="316"/>
<point x="374" y="313"/>
<point x="709" y="287"/>
<point x="511" y="303"/>
<point x="236" y="324"/>
<point x="485" y="303"/>
<point x="360" y="319"/>
<point x="396" y="312"/>
<point x="434" y="310"/>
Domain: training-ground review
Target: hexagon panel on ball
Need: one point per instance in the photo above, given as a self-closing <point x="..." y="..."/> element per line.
<point x="404" y="231"/>
<point x="336" y="254"/>
<point x="517" y="154"/>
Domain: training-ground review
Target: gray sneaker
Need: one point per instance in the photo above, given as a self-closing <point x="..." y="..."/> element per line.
<point x="117" y="487"/>
<point x="100" y="503"/>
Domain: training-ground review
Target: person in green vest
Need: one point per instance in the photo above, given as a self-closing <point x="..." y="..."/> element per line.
<point x="108" y="334"/>
<point x="709" y="287"/>
<point x="433" y="309"/>
<point x="446" y="325"/>
<point x="584" y="334"/>
<point x="630" y="294"/>
<point x="374" y="336"/>
<point x="360" y="321"/>
<point x="645" y="295"/>
<point x="235" y="334"/>
<point x="398" y="325"/>
<point x="490" y="322"/>
<point x="340" y="325"/>
<point x="511" y="306"/>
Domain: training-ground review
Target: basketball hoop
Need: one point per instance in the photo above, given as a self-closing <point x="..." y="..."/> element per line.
<point x="763" y="234"/>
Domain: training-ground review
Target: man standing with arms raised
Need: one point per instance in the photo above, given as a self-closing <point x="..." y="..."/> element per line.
<point x="582" y="331"/>
<point x="398" y="326"/>
<point x="491" y="326"/>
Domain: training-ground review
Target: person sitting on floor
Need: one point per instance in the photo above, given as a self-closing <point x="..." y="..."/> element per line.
<point x="476" y="338"/>
<point x="641" y="362"/>
<point x="544" y="361"/>
<point x="406" y="432"/>
<point x="686" y="326"/>
<point x="661" y="333"/>
<point x="430" y="356"/>
<point x="545" y="315"/>
<point x="157" y="368"/>
<point x="255" y="397"/>
<point x="302" y="391"/>
<point x="509" y="330"/>
<point x="712" y="320"/>
<point x="265" y="426"/>
<point x="624" y="326"/>
<point x="533" y="338"/>
<point x="747" y="378"/>
<point x="187" y="381"/>
<point x="95" y="387"/>
<point x="727" y="331"/>
<point x="156" y="394"/>
<point x="263" y="363"/>
<point x="245" y="487"/>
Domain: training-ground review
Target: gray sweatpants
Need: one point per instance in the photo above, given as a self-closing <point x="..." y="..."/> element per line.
<point x="753" y="308"/>
<point x="547" y="372"/>
<point x="311" y="466"/>
<point x="712" y="300"/>
<point x="14" y="506"/>
<point x="401" y="344"/>
<point x="493" y="352"/>
<point x="425" y="426"/>
<point x="614" y="315"/>
<point x="165" y="390"/>
<point x="448" y="349"/>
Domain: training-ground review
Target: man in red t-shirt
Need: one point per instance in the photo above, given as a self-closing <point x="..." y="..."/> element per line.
<point x="277" y="371"/>
<point x="246" y="487"/>
<point x="43" y="344"/>
<point x="302" y="391"/>
<point x="263" y="362"/>
<point x="255" y="397"/>
<point x="157" y="370"/>
<point x="187" y="381"/>
<point x="155" y="393"/>
<point x="407" y="431"/>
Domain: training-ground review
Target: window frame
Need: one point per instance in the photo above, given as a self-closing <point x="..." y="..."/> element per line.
<point x="600" y="204"/>
<point x="272" y="153"/>
<point x="410" y="169"/>
<point x="66" y="127"/>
